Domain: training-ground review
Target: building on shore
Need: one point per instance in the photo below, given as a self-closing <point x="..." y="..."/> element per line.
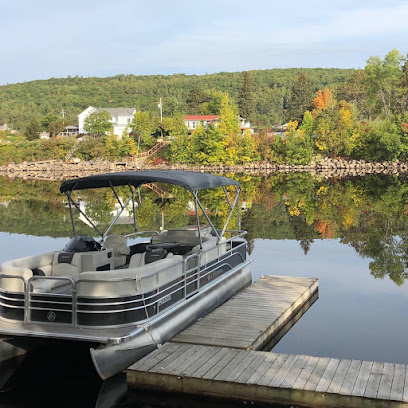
<point x="120" y="119"/>
<point x="193" y="121"/>
<point x="69" y="131"/>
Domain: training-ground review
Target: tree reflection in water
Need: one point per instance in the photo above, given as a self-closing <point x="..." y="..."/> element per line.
<point x="368" y="213"/>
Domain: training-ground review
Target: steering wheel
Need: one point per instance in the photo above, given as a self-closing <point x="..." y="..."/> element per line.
<point x="96" y="245"/>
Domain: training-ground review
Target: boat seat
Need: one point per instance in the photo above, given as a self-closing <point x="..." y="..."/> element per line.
<point x="24" y="267"/>
<point x="118" y="243"/>
<point x="134" y="280"/>
<point x="211" y="249"/>
<point x="139" y="259"/>
<point x="183" y="240"/>
<point x="51" y="286"/>
<point x="67" y="264"/>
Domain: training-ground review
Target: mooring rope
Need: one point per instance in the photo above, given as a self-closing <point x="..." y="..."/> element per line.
<point x="143" y="326"/>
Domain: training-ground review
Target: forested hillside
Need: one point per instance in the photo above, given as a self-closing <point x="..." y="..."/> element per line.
<point x="19" y="103"/>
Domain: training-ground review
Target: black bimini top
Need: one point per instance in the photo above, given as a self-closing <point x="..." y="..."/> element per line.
<point x="190" y="180"/>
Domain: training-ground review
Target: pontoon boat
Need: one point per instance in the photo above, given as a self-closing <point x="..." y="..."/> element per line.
<point x="124" y="300"/>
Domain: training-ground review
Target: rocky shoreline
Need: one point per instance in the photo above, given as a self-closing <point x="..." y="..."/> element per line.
<point x="327" y="167"/>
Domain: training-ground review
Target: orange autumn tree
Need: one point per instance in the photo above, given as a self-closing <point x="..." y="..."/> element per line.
<point x="333" y="124"/>
<point x="323" y="99"/>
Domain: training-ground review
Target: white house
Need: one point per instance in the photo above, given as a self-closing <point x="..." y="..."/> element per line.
<point x="245" y="124"/>
<point x="120" y="118"/>
<point x="192" y="122"/>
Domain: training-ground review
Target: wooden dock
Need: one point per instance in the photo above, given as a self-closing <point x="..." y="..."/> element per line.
<point x="254" y="316"/>
<point x="270" y="377"/>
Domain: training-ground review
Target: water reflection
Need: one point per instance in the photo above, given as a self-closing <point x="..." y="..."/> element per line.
<point x="368" y="214"/>
<point x="344" y="232"/>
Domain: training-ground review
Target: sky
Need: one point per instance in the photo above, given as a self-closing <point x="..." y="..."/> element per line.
<point x="47" y="38"/>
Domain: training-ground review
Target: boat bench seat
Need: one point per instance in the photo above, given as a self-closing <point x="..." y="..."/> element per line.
<point x="24" y="267"/>
<point x="183" y="240"/>
<point x="118" y="244"/>
<point x="210" y="250"/>
<point x="132" y="280"/>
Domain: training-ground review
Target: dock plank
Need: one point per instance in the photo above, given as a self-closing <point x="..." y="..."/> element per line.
<point x="351" y="378"/>
<point x="362" y="379"/>
<point x="398" y="382"/>
<point x="316" y="374"/>
<point x="261" y="370"/>
<point x="339" y="376"/>
<point x="328" y="375"/>
<point x="303" y="377"/>
<point x="384" y="390"/>
<point x="374" y="379"/>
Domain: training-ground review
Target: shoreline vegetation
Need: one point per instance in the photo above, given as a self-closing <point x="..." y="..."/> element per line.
<point x="358" y="119"/>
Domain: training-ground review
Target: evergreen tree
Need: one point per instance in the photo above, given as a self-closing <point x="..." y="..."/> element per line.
<point x="246" y="101"/>
<point x="195" y="99"/>
<point x="300" y="99"/>
<point x="33" y="129"/>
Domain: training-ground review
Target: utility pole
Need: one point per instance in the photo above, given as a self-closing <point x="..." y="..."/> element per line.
<point x="160" y="106"/>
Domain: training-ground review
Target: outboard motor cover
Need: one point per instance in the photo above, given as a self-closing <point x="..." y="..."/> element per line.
<point x="82" y="243"/>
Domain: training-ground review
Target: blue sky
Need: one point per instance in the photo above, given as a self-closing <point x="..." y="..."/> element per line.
<point x="43" y="39"/>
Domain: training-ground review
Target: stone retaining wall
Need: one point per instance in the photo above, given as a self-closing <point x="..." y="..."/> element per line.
<point x="329" y="168"/>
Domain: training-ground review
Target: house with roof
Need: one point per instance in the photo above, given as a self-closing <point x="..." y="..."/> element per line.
<point x="120" y="118"/>
<point x="69" y="131"/>
<point x="193" y="121"/>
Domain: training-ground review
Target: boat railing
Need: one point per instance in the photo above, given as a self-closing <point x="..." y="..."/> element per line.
<point x="195" y="268"/>
<point x="133" y="234"/>
<point x="28" y="308"/>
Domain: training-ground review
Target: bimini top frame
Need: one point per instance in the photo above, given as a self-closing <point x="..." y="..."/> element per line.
<point x="191" y="181"/>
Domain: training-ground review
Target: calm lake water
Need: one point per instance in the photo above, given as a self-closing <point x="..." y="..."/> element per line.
<point x="351" y="234"/>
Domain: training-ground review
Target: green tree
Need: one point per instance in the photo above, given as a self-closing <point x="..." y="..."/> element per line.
<point x="353" y="91"/>
<point x="213" y="104"/>
<point x="228" y="124"/>
<point x="246" y="99"/>
<point x="207" y="145"/>
<point x="55" y="127"/>
<point x="247" y="148"/>
<point x="403" y="89"/>
<point x="299" y="146"/>
<point x="300" y="98"/>
<point x="180" y="151"/>
<point x="98" y="123"/>
<point x="33" y="129"/>
<point x="47" y="119"/>
<point x="195" y="99"/>
<point x="142" y="128"/>
<point x="382" y="80"/>
<point x="172" y="126"/>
